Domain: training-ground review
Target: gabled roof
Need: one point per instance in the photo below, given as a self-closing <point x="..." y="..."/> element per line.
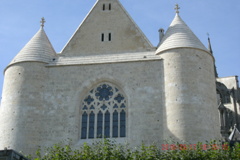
<point x="107" y="29"/>
<point x="179" y="35"/>
<point x="38" y="49"/>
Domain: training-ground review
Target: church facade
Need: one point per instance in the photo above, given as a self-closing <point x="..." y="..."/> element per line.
<point x="109" y="81"/>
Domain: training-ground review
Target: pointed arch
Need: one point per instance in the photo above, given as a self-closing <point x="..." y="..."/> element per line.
<point x="103" y="112"/>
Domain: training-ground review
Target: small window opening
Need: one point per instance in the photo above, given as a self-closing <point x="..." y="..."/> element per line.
<point x="103" y="7"/>
<point x="109" y="36"/>
<point x="110" y="6"/>
<point x="102" y="37"/>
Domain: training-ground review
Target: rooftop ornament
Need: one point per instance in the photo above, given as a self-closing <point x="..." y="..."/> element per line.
<point x="177" y="8"/>
<point x="42" y="22"/>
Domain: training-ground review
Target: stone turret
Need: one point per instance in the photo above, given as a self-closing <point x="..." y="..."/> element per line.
<point x="23" y="95"/>
<point x="190" y="91"/>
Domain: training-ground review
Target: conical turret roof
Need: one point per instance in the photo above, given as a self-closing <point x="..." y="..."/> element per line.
<point x="179" y="35"/>
<point x="38" y="49"/>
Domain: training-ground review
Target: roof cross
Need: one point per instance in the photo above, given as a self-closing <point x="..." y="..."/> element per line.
<point x="177" y="8"/>
<point x="42" y="22"/>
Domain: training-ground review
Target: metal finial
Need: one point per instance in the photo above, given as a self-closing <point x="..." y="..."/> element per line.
<point x="211" y="51"/>
<point x="209" y="44"/>
<point x="177" y="8"/>
<point x="42" y="22"/>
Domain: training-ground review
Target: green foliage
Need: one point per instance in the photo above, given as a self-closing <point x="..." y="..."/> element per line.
<point x="109" y="150"/>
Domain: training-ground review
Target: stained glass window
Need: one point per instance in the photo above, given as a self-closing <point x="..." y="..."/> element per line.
<point x="104" y="107"/>
<point x="89" y="100"/>
<point x="85" y="108"/>
<point x="104" y="92"/>
<point x="122" y="124"/>
<point x="119" y="98"/>
<point x="115" y="124"/>
<point x="123" y="106"/>
<point x="91" y="125"/>
<point x="115" y="106"/>
<point x="84" y="125"/>
<point x="92" y="107"/>
<point x="107" y="125"/>
<point x="103" y="111"/>
<point x="99" y="124"/>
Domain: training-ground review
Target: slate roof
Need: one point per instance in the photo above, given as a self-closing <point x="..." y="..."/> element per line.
<point x="38" y="49"/>
<point x="179" y="35"/>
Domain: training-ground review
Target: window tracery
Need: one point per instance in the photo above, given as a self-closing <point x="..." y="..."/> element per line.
<point x="103" y="112"/>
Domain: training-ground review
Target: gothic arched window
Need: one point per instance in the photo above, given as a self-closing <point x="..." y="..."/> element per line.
<point x="223" y="93"/>
<point x="103" y="112"/>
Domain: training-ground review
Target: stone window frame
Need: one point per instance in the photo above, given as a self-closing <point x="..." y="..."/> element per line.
<point x="94" y="103"/>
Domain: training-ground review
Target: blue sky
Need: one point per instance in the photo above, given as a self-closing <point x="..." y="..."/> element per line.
<point x="220" y="18"/>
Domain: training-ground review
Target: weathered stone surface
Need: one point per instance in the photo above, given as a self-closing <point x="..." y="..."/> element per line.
<point x="169" y="95"/>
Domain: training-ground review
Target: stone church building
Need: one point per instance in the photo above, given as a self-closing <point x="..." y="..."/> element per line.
<point x="110" y="81"/>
